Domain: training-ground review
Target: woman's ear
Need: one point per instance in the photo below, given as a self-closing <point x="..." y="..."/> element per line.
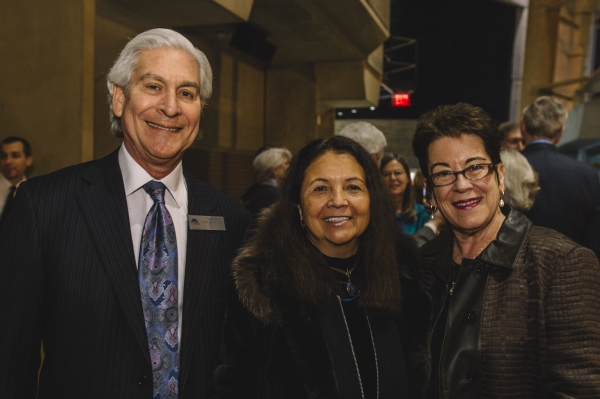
<point x="429" y="194"/>
<point x="500" y="170"/>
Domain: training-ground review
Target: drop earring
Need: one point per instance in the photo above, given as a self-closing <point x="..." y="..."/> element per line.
<point x="433" y="211"/>
<point x="501" y="200"/>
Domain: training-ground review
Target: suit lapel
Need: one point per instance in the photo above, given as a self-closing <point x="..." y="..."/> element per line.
<point x="101" y="199"/>
<point x="202" y="246"/>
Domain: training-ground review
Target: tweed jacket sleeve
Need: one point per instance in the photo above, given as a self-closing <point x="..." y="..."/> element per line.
<point x="573" y="322"/>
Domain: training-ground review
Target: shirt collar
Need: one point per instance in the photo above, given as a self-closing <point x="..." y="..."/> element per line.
<point x="547" y="141"/>
<point x="134" y="177"/>
<point x="5" y="182"/>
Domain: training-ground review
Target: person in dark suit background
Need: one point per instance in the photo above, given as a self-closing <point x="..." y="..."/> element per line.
<point x="71" y="245"/>
<point x="15" y="159"/>
<point x="569" y="196"/>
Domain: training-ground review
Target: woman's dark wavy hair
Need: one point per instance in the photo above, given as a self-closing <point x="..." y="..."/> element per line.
<point x="454" y="121"/>
<point x="295" y="266"/>
<point x="408" y="198"/>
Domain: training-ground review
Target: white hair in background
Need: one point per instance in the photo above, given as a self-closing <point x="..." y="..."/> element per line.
<point x="125" y="65"/>
<point x="266" y="161"/>
<point x="545" y="117"/>
<point x="365" y="134"/>
<point x="520" y="180"/>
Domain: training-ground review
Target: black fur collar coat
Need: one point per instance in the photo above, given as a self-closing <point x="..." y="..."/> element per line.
<point x="273" y="345"/>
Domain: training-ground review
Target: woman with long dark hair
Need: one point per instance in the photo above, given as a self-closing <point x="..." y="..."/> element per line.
<point x="328" y="305"/>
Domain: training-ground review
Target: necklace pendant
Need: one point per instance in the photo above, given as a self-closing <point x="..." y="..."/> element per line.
<point x="350" y="288"/>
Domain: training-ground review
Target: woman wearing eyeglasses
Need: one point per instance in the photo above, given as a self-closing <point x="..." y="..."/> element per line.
<point x="516" y="308"/>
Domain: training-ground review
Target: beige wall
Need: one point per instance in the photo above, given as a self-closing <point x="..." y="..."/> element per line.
<point x="110" y="38"/>
<point x="291" y="114"/>
<point x="43" y="96"/>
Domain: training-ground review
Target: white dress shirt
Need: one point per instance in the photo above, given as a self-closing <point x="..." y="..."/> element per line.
<point x="139" y="203"/>
<point x="5" y="186"/>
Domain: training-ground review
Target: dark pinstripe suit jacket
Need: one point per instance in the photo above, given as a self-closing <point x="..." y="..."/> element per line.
<point x="69" y="278"/>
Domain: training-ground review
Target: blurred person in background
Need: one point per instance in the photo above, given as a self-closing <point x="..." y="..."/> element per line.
<point x="569" y="197"/>
<point x="330" y="307"/>
<point x="520" y="180"/>
<point x="367" y="135"/>
<point x="269" y="169"/>
<point x="516" y="307"/>
<point x="511" y="136"/>
<point x="15" y="159"/>
<point x="410" y="215"/>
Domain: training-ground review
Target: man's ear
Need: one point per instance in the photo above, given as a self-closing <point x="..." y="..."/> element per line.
<point x="556" y="139"/>
<point x="118" y="101"/>
<point x="28" y="161"/>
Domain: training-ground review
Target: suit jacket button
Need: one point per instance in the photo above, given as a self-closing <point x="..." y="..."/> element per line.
<point x="471" y="375"/>
<point x="472" y="316"/>
<point x="143" y="380"/>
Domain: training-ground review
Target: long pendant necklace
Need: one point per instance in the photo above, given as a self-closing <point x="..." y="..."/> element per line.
<point x="362" y="392"/>
<point x="350" y="287"/>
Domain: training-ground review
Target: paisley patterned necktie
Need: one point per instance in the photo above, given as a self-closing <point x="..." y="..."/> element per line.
<point x="157" y="273"/>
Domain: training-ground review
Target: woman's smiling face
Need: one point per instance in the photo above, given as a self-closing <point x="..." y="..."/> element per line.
<point x="335" y="204"/>
<point x="467" y="205"/>
<point x="395" y="177"/>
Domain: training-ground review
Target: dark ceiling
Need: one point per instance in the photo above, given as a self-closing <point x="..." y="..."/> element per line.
<point x="464" y="55"/>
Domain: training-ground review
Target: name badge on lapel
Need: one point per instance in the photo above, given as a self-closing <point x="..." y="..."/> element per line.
<point x="199" y="222"/>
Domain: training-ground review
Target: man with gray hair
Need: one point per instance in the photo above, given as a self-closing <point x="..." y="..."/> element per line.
<point x="270" y="167"/>
<point x="367" y="135"/>
<point x="120" y="266"/>
<point x="569" y="196"/>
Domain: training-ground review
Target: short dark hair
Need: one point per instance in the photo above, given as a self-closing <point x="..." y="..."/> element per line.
<point x="14" y="139"/>
<point x="454" y="121"/>
<point x="505" y="128"/>
<point x="288" y="255"/>
<point x="408" y="199"/>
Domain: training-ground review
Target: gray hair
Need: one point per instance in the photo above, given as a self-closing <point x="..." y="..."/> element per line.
<point x="126" y="64"/>
<point x="505" y="128"/>
<point x="520" y="180"/>
<point x="267" y="160"/>
<point x="545" y="117"/>
<point x="365" y="134"/>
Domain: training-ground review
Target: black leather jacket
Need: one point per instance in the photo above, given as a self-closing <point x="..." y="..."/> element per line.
<point x="459" y="366"/>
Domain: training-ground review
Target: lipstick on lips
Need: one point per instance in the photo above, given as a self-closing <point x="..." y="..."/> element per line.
<point x="467" y="203"/>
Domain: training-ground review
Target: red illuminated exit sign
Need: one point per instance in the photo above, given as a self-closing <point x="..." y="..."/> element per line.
<point x="401" y="100"/>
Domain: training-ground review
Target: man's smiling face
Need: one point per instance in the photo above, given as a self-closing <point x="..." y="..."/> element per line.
<point x="160" y="113"/>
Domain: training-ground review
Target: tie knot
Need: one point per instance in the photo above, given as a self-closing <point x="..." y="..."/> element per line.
<point x="156" y="190"/>
<point x="13" y="188"/>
